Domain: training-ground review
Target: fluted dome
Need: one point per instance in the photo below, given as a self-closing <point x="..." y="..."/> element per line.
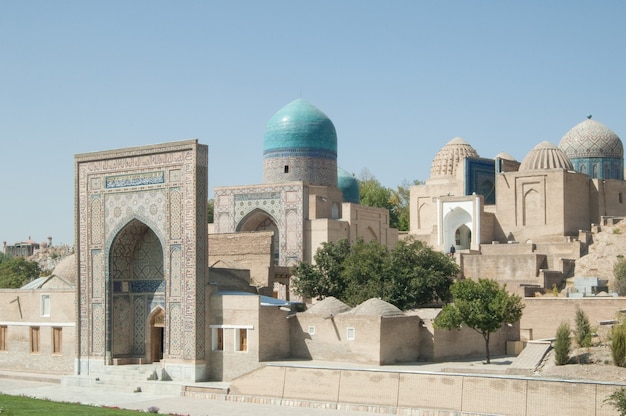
<point x="300" y="144"/>
<point x="594" y="150"/>
<point x="447" y="160"/>
<point x="591" y="139"/>
<point x="349" y="186"/>
<point x="546" y="156"/>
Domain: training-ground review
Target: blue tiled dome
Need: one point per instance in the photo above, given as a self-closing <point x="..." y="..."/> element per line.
<point x="349" y="186"/>
<point x="591" y="139"/>
<point x="300" y="145"/>
<point x="300" y="127"/>
<point x="594" y="150"/>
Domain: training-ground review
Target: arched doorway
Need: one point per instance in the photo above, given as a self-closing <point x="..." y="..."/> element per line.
<point x="457" y="229"/>
<point x="135" y="287"/>
<point x="157" y="334"/>
<point x="259" y="220"/>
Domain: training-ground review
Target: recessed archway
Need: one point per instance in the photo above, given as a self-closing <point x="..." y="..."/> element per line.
<point x="259" y="220"/>
<point x="135" y="286"/>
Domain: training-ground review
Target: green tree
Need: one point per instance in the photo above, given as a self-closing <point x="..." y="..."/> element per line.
<point x="409" y="275"/>
<point x="562" y="344"/>
<point x="397" y="201"/>
<point x="481" y="305"/>
<point x="400" y="201"/>
<point x="619" y="274"/>
<point x="17" y="271"/>
<point x="324" y="278"/>
<point x="582" y="334"/>
<point x="210" y="210"/>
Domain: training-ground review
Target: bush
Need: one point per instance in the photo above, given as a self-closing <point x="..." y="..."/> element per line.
<point x="562" y="344"/>
<point x="618" y="345"/>
<point x="619" y="272"/>
<point x="617" y="399"/>
<point x="583" y="329"/>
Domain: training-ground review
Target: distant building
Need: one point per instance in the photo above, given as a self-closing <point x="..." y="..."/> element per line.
<point x="24" y="248"/>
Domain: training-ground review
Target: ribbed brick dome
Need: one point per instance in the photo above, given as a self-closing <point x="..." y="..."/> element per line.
<point x="447" y="160"/>
<point x="546" y="156"/>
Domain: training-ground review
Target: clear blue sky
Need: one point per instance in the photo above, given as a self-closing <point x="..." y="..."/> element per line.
<point x="399" y="79"/>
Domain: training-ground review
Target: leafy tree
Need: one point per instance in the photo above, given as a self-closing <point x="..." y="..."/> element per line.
<point x="562" y="344"/>
<point x="210" y="210"/>
<point x="619" y="272"/>
<point x="4" y="257"/>
<point x="373" y="194"/>
<point x="324" y="278"/>
<point x="409" y="275"/>
<point x="582" y="334"/>
<point x="401" y="201"/>
<point x="481" y="305"/>
<point x="17" y="271"/>
<point x="365" y="273"/>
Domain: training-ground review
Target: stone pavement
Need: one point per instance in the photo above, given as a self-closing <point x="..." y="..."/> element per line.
<point x="167" y="404"/>
<point x="50" y="387"/>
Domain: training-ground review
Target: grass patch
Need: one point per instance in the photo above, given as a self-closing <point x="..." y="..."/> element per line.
<point x="21" y="405"/>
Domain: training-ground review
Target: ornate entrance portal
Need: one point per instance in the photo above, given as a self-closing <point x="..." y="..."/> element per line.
<point x="141" y="233"/>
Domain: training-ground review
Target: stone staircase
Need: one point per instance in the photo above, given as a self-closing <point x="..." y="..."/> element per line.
<point x="150" y="378"/>
<point x="530" y="358"/>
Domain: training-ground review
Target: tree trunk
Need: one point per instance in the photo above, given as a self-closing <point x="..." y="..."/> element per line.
<point x="486" y="336"/>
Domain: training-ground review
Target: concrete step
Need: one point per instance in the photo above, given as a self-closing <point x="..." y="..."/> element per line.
<point x="530" y="358"/>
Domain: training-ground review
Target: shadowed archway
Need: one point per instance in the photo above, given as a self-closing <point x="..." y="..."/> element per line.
<point x="136" y="286"/>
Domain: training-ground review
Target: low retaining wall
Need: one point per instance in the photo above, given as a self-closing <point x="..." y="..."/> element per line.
<point x="415" y="393"/>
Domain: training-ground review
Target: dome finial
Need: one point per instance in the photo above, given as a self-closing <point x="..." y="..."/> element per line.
<point x="589" y="116"/>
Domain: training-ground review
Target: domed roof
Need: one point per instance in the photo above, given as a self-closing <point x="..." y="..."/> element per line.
<point x="446" y="161"/>
<point x="349" y="186"/>
<point x="591" y="139"/>
<point x="376" y="307"/>
<point x="300" y="126"/>
<point x="505" y="156"/>
<point x="546" y="156"/>
<point x="328" y="306"/>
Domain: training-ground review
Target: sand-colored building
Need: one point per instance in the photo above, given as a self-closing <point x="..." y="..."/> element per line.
<point x="526" y="222"/>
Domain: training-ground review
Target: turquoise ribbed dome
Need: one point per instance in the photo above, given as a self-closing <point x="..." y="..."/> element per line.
<point x="349" y="186"/>
<point x="300" y="128"/>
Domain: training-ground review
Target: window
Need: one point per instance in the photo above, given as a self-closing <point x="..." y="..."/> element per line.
<point x="218" y="339"/>
<point x="45" y="305"/>
<point x="351" y="334"/>
<point x="241" y="340"/>
<point x="286" y="168"/>
<point x="3" y="338"/>
<point x="311" y="330"/>
<point x="57" y="340"/>
<point x="34" y="339"/>
<point x="621" y="198"/>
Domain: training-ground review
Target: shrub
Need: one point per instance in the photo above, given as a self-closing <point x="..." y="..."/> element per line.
<point x="562" y="344"/>
<point x="618" y="345"/>
<point x="583" y="329"/>
<point x="619" y="273"/>
<point x="617" y="399"/>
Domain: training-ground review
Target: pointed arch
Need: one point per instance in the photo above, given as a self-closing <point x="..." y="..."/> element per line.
<point x="135" y="282"/>
<point x="457" y="226"/>
<point x="533" y="211"/>
<point x="259" y="220"/>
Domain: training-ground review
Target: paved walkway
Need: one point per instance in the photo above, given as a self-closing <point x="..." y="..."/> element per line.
<point x="142" y="401"/>
<point x="49" y="387"/>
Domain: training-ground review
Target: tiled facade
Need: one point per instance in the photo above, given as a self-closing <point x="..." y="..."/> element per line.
<point x="142" y="248"/>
